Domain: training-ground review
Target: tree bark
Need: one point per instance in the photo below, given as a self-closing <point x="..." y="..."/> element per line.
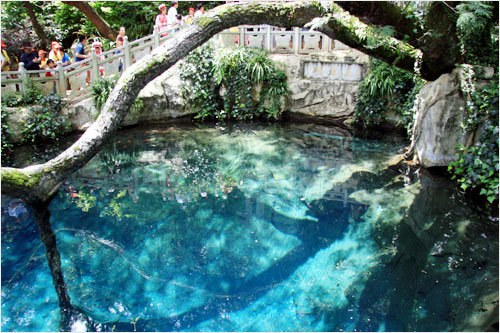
<point x="383" y="13"/>
<point x="45" y="42"/>
<point x="102" y="26"/>
<point x="437" y="39"/>
<point x="354" y="33"/>
<point x="37" y="183"/>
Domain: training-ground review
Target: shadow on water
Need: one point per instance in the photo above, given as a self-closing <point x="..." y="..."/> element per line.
<point x="314" y="236"/>
<point x="427" y="285"/>
<point x="69" y="313"/>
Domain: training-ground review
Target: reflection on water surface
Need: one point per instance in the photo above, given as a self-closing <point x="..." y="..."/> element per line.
<point x="253" y="228"/>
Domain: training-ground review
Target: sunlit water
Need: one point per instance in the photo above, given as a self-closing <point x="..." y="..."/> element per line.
<point x="253" y="228"/>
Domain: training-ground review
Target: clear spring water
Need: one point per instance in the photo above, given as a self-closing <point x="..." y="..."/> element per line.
<point x="253" y="228"/>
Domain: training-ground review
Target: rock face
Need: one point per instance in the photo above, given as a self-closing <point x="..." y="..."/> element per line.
<point x="323" y="86"/>
<point x="440" y="112"/>
<point x="161" y="100"/>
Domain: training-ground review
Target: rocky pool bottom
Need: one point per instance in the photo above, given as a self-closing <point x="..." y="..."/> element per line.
<point x="279" y="227"/>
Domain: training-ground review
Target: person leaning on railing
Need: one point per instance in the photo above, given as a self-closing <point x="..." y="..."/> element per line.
<point x="80" y="53"/>
<point x="29" y="58"/>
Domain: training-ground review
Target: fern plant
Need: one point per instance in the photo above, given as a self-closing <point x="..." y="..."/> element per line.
<point x="222" y="83"/>
<point x="102" y="88"/>
<point x="478" y="33"/>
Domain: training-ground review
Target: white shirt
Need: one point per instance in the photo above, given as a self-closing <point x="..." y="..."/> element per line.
<point x="171" y="16"/>
<point x="198" y="14"/>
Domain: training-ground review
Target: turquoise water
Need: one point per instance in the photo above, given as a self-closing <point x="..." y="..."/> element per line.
<point x="253" y="228"/>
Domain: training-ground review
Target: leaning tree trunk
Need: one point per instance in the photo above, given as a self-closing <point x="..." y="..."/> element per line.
<point x="38" y="28"/>
<point x="102" y="26"/>
<point x="37" y="183"/>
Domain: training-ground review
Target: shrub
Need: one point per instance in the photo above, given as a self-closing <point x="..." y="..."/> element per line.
<point x="477" y="167"/>
<point x="222" y="83"/>
<point x="44" y="121"/>
<point x="102" y="88"/>
<point x="386" y="88"/>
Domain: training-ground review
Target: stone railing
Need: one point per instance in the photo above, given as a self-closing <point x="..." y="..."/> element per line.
<point x="76" y="75"/>
<point x="71" y="79"/>
<point x="279" y="40"/>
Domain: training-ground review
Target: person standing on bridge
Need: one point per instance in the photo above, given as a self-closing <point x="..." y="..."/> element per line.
<point x="161" y="20"/>
<point x="200" y="11"/>
<point x="29" y="58"/>
<point x="172" y="14"/>
<point x="190" y="17"/>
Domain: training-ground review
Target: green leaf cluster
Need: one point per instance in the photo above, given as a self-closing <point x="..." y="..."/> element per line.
<point x="476" y="167"/>
<point x="477" y="31"/>
<point x="386" y="88"/>
<point x="6" y="144"/>
<point x="44" y="121"/>
<point x="233" y="83"/>
<point x="32" y="95"/>
<point x="102" y="88"/>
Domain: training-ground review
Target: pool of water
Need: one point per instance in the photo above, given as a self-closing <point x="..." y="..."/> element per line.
<point x="253" y="228"/>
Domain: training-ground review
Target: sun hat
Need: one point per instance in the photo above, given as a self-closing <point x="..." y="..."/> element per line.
<point x="162" y="6"/>
<point x="191" y="9"/>
<point x="96" y="44"/>
<point x="41" y="51"/>
<point x="56" y="45"/>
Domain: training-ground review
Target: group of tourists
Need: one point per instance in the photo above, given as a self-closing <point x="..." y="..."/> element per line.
<point x="172" y="19"/>
<point x="41" y="60"/>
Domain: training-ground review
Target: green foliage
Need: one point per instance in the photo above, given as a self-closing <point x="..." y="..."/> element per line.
<point x="386" y="88"/>
<point x="224" y="84"/>
<point x="478" y="32"/>
<point x="32" y="95"/>
<point x="6" y="144"/>
<point x="477" y="166"/>
<point x="102" y="88"/>
<point x="44" y="121"/>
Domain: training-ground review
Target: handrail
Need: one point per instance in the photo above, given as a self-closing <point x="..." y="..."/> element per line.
<point x="294" y="41"/>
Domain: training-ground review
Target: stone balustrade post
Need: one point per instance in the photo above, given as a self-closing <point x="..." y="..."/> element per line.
<point x="156" y="36"/>
<point x="242" y="35"/>
<point x="126" y="52"/>
<point x="296" y="40"/>
<point x="94" y="70"/>
<point x="24" y="77"/>
<point x="62" y="80"/>
<point x="268" y="38"/>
